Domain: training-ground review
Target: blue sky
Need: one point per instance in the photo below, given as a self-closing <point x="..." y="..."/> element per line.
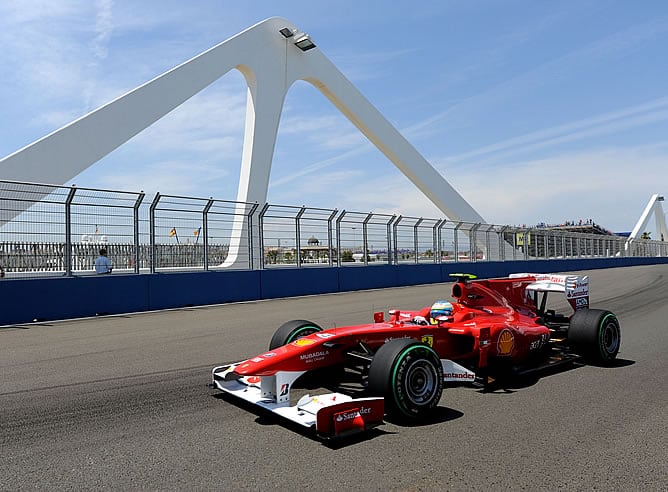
<point x="533" y="111"/>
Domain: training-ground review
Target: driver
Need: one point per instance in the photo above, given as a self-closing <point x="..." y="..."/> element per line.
<point x="440" y="309"/>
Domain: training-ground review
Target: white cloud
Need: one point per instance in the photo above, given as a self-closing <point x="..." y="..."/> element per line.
<point x="103" y="28"/>
<point x="210" y="123"/>
<point x="317" y="167"/>
<point x="175" y="177"/>
<point x="369" y="65"/>
<point x="605" y="185"/>
<point x="604" y="124"/>
<point x="609" y="185"/>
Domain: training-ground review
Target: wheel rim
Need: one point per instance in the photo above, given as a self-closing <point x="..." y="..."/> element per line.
<point x="420" y="382"/>
<point x="610" y="337"/>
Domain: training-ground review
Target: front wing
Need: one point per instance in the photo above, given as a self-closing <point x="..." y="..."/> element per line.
<point x="331" y="414"/>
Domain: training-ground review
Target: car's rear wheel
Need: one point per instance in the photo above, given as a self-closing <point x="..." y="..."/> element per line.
<point x="409" y="375"/>
<point x="595" y="334"/>
<point x="291" y="331"/>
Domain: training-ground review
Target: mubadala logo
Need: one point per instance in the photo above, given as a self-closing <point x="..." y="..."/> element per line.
<point x="321" y="354"/>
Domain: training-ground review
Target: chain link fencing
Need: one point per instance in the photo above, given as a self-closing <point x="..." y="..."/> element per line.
<point x="49" y="230"/>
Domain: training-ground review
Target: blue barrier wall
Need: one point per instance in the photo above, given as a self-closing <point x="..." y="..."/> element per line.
<point x="29" y="300"/>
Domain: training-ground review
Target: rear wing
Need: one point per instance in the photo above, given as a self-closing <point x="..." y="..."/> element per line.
<point x="574" y="287"/>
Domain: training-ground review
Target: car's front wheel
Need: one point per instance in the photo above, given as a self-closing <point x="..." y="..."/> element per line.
<point x="409" y="375"/>
<point x="291" y="331"/>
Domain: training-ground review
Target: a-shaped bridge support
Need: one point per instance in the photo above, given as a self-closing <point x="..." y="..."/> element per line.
<point x="655" y="208"/>
<point x="270" y="63"/>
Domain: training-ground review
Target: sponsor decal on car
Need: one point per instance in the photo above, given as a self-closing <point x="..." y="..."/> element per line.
<point x="269" y="354"/>
<point x="506" y="342"/>
<point x="428" y="339"/>
<point x="454" y="373"/>
<point x="314" y="356"/>
<point x="257" y="359"/>
<point x="354" y="413"/>
<point x="253" y="379"/>
<point x="350" y="417"/>
<point x="542" y="340"/>
<point x="324" y="335"/>
<point x="466" y="376"/>
<point x="284" y="389"/>
<point x="577" y="287"/>
<point x="303" y="342"/>
<point x="396" y="338"/>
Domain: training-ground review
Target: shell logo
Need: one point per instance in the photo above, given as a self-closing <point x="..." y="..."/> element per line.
<point x="506" y="342"/>
<point x="303" y="342"/>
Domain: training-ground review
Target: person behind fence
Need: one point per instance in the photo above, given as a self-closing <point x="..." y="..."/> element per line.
<point x="103" y="263"/>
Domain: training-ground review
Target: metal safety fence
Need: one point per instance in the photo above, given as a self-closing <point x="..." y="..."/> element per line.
<point x="49" y="230"/>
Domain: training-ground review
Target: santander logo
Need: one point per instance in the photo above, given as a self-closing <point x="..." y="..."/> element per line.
<point x="342" y="417"/>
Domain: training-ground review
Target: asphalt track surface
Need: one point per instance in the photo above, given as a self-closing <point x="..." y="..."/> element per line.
<point x="122" y="403"/>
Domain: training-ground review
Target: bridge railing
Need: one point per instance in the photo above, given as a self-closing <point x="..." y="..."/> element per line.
<point x="61" y="235"/>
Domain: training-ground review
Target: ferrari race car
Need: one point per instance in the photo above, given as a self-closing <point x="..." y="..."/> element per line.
<point x="403" y="363"/>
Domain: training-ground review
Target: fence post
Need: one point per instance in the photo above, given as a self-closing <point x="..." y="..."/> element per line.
<point x="151" y="219"/>
<point x="416" y="242"/>
<point x="440" y="240"/>
<point x="435" y="237"/>
<point x="68" y="230"/>
<point x="395" y="234"/>
<point x="251" y="248"/>
<point x="388" y="229"/>
<point x="338" y="237"/>
<point x="563" y="246"/>
<point x="260" y="219"/>
<point x="501" y="234"/>
<point x="329" y="237"/>
<point x="205" y="231"/>
<point x="298" y="235"/>
<point x="135" y="216"/>
<point x="365" y="239"/>
<point x="455" y="240"/>
<point x="473" y="243"/>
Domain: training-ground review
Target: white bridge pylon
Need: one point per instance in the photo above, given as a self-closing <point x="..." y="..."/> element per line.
<point x="655" y="208"/>
<point x="270" y="63"/>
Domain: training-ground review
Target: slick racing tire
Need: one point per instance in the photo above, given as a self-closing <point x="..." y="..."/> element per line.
<point x="595" y="334"/>
<point x="291" y="331"/>
<point x="409" y="375"/>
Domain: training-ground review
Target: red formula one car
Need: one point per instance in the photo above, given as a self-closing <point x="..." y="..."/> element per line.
<point x="403" y="363"/>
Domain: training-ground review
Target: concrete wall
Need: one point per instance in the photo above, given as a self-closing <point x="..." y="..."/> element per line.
<point x="63" y="298"/>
